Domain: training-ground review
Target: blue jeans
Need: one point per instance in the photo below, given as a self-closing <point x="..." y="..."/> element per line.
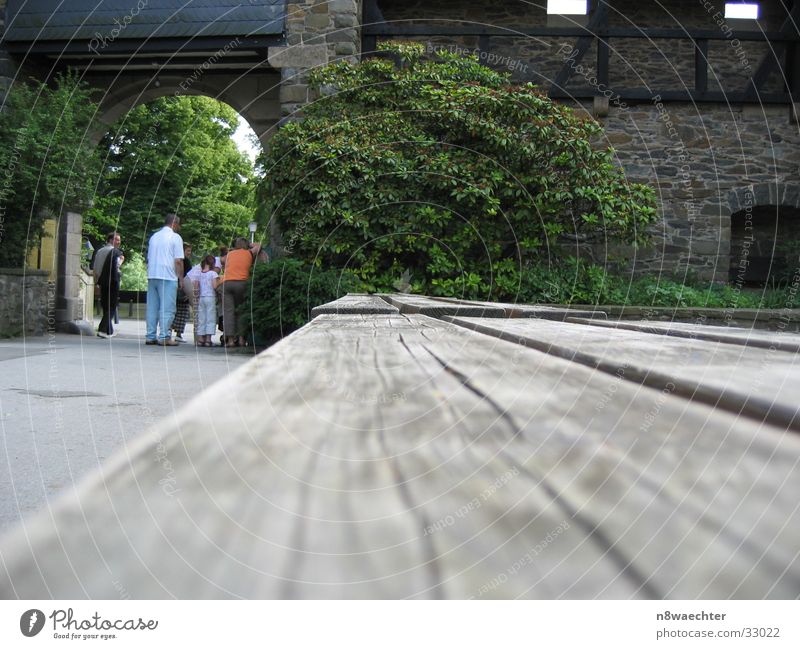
<point x="161" y="297"/>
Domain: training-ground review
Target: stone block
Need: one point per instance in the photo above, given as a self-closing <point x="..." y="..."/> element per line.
<point x="342" y="6"/>
<point x="294" y="94"/>
<point x="345" y="20"/>
<point x="295" y="9"/>
<point x="342" y="36"/>
<point x="791" y="195"/>
<point x="600" y="106"/>
<point x="318" y="21"/>
<point x="346" y="49"/>
<point x="305" y="56"/>
<point x="733" y="202"/>
<point x="706" y="247"/>
<point x="761" y="195"/>
<point x="310" y="38"/>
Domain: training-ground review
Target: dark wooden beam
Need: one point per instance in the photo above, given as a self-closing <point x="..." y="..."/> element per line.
<point x="642" y="95"/>
<point x="598" y="21"/>
<point x="602" y="61"/>
<point x="159" y="62"/>
<point x="371" y="16"/>
<point x="149" y="46"/>
<point x="770" y="62"/>
<point x="793" y="71"/>
<point x="409" y="28"/>
<point x="483" y="42"/>
<point x="369" y="45"/>
<point x="701" y="66"/>
<point x="774" y="60"/>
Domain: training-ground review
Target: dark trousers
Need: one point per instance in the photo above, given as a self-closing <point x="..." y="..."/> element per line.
<point x="232" y="292"/>
<point x="109" y="296"/>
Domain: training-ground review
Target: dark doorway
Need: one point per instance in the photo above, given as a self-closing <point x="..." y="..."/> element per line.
<point x="765" y="245"/>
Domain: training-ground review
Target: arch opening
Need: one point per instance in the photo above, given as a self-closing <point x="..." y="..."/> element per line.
<point x="188" y="155"/>
<point x="765" y="245"/>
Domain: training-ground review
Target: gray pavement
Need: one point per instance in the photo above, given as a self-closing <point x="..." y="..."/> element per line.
<point x="68" y="402"/>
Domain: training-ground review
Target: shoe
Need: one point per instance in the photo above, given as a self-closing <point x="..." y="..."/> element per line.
<point x="100" y="334"/>
<point x="112" y="335"/>
<point x="179" y="338"/>
<point x="168" y="342"/>
<point x="150" y="342"/>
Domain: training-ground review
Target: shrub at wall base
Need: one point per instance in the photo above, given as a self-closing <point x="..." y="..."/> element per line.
<point x="444" y="172"/>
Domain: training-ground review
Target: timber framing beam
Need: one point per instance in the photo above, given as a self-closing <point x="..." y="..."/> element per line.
<point x="775" y="60"/>
<point x="138" y="46"/>
<point x="388" y="30"/>
<point x="372" y="16"/>
<point x="598" y="21"/>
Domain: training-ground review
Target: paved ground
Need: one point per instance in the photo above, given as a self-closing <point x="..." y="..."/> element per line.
<point x="67" y="402"/>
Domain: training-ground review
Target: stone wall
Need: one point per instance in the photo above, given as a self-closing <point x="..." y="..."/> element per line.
<point x="317" y="32"/>
<point x="696" y="156"/>
<point x="28" y="304"/>
<point x="634" y="63"/>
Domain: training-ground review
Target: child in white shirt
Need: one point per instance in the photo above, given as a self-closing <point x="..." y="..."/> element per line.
<point x="205" y="281"/>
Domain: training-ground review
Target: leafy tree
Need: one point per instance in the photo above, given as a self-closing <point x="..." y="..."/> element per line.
<point x="174" y="154"/>
<point x="47" y="164"/>
<point x="134" y="273"/>
<point x="443" y="175"/>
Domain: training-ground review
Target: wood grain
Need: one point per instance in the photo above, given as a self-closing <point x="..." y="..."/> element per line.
<point x="421" y="305"/>
<point x="786" y="342"/>
<point x="760" y="384"/>
<point x="355" y="303"/>
<point x="392" y="456"/>
<point x="513" y="310"/>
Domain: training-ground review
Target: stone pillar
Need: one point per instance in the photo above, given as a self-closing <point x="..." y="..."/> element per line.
<point x="317" y="32"/>
<point x="69" y="297"/>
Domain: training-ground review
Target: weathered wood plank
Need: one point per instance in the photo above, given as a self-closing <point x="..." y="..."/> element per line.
<point x="761" y="384"/>
<point x="356" y="303"/>
<point x="513" y="310"/>
<point x="434" y="307"/>
<point x="400" y="456"/>
<point x="786" y="342"/>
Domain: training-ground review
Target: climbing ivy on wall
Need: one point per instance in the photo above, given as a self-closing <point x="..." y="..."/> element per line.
<point x="441" y="176"/>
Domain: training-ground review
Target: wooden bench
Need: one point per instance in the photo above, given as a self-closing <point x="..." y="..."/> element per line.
<point x="419" y="451"/>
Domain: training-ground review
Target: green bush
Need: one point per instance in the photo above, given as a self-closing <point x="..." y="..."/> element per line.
<point x="442" y="172"/>
<point x="573" y="281"/>
<point x="281" y="294"/>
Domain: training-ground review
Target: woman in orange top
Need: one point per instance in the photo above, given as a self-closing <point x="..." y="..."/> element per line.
<point x="237" y="271"/>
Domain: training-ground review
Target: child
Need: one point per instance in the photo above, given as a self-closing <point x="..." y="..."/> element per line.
<point x="205" y="281"/>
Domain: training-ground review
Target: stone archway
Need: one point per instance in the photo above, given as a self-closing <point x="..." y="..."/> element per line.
<point x="254" y="97"/>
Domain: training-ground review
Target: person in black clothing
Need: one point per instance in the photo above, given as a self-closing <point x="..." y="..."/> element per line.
<point x="106" y="266"/>
<point x="183" y="301"/>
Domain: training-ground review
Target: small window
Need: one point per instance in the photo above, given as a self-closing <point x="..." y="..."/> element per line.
<point x="567" y="7"/>
<point x="741" y="10"/>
